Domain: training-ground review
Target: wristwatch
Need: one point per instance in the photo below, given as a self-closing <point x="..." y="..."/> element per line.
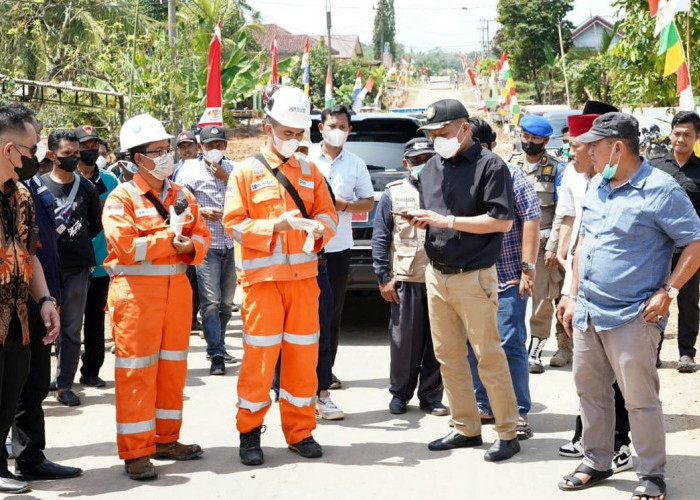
<point x="48" y="298"/>
<point x="670" y="291"/>
<point x="450" y="221"/>
<point x="526" y="266"/>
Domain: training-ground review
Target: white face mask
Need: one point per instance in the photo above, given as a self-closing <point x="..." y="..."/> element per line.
<point x="40" y="151"/>
<point x="447" y="148"/>
<point x="213" y="155"/>
<point x="164" y="167"/>
<point x="335" y="137"/>
<point x="285" y="148"/>
<point x="101" y="162"/>
<point x="300" y="156"/>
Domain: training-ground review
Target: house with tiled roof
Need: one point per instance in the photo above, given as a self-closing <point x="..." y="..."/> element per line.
<point x="288" y="44"/>
<point x="589" y="34"/>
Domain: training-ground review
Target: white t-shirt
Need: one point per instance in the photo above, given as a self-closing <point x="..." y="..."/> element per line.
<point x="350" y="180"/>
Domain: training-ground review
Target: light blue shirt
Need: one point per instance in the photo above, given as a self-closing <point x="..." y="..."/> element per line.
<point x="629" y="234"/>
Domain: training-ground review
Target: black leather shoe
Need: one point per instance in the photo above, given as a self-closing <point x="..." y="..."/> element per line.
<point x="502" y="449"/>
<point x="67" y="397"/>
<point x="397" y="406"/>
<point x="8" y="485"/>
<point x="455" y="440"/>
<point x="307" y="448"/>
<point x="437" y="409"/>
<point x="250" y="451"/>
<point x="91" y="381"/>
<point x="47" y="470"/>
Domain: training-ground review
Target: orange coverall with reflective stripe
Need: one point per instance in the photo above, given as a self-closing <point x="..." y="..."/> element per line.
<point x="150" y="300"/>
<point x="280" y="305"/>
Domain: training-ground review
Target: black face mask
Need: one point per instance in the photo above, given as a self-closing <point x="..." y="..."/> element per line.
<point x="532" y="148"/>
<point x="30" y="166"/>
<point x="67" y="163"/>
<point x="89" y="156"/>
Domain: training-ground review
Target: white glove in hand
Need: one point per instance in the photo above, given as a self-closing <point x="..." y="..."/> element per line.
<point x="177" y="222"/>
<point x="306" y="225"/>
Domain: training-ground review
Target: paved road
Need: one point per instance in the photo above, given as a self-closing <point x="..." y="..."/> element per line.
<point x="422" y="97"/>
<point x="369" y="455"/>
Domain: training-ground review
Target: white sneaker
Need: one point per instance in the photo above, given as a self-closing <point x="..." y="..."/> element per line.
<point x="571" y="449"/>
<point x="622" y="460"/>
<point x="327" y="410"/>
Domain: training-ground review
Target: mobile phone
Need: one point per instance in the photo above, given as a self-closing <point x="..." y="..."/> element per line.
<point x="400" y="214"/>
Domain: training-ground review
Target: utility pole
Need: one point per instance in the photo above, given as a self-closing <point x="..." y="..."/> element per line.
<point x="563" y="60"/>
<point x="488" y="35"/>
<point x="483" y="42"/>
<point x="133" y="57"/>
<point x="328" y="25"/>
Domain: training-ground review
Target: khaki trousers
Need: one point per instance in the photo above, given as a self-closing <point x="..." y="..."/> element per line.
<point x="628" y="354"/>
<point x="463" y="308"/>
<point x="547" y="290"/>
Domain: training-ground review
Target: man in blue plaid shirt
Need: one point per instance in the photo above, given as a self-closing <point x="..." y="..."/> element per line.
<point x="516" y="275"/>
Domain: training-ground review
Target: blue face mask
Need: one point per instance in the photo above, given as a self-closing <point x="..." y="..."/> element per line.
<point x="610" y="170"/>
<point x="415" y="171"/>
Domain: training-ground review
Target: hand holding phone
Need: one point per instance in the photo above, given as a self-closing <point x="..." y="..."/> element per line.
<point x="401" y="214"/>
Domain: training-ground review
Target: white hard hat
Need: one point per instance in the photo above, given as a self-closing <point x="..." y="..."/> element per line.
<point x="141" y="129"/>
<point x="290" y="107"/>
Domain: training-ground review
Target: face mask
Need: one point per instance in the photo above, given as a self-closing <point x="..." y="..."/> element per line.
<point x="164" y="167"/>
<point x="67" y="163"/>
<point x="335" y="137"/>
<point x="30" y="166"/>
<point x="40" y="151"/>
<point x="415" y="171"/>
<point x="610" y="170"/>
<point x="532" y="148"/>
<point x="566" y="151"/>
<point x="300" y="156"/>
<point x="447" y="148"/>
<point x="89" y="156"/>
<point x="213" y="155"/>
<point x="285" y="148"/>
<point x="101" y="162"/>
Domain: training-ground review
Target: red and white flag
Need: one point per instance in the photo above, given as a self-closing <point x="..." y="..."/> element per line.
<point x="273" y="48"/>
<point x="213" y="114"/>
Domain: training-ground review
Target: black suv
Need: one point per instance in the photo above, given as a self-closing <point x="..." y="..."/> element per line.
<point x="378" y="139"/>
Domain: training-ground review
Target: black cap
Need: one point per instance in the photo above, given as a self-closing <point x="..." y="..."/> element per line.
<point x="185" y="136"/>
<point x="417" y="146"/>
<point x="614" y="125"/>
<point x="86" y="133"/>
<point x="441" y="113"/>
<point x="598" y="108"/>
<point x="213" y="133"/>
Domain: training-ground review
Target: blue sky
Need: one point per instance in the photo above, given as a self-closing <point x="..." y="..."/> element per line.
<point x="420" y="24"/>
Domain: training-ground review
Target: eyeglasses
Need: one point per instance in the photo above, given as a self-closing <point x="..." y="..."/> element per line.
<point x="159" y="152"/>
<point x="32" y="150"/>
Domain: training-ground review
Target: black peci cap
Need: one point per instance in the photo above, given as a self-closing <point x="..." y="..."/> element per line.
<point x="598" y="108"/>
<point x="441" y="113"/>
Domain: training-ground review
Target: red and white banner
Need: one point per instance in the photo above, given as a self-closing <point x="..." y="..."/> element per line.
<point x="213" y="114"/>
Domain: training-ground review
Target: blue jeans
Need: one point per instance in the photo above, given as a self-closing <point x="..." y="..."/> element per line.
<point x="216" y="279"/>
<point x="513" y="332"/>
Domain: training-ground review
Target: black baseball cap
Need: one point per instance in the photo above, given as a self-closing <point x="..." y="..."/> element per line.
<point x="213" y="133"/>
<point x="441" y="113"/>
<point x="185" y="136"/>
<point x="614" y="125"/>
<point x="417" y="146"/>
<point x="86" y="133"/>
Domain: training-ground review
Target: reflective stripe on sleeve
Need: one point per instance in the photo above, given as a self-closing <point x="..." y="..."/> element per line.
<point x="251" y="405"/>
<point x="298" y="402"/>
<point x="262" y="340"/>
<point x="327" y="219"/>
<point x="168" y="414"/>
<point x="141" y="248"/>
<point x="173" y="355"/>
<point x="196" y="237"/>
<point x="136" y="427"/>
<point x="130" y="363"/>
<point x="238" y="229"/>
<point x="301" y="339"/>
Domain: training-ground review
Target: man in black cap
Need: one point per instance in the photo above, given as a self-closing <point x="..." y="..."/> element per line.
<point x="398" y="251"/>
<point x="467" y="195"/>
<point x="633" y="217"/>
<point x="684" y="166"/>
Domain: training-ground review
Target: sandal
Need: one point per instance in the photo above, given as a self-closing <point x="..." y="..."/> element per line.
<point x="654" y="487"/>
<point x="577" y="484"/>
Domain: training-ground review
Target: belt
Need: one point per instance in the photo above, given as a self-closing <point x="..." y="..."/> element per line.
<point x="444" y="269"/>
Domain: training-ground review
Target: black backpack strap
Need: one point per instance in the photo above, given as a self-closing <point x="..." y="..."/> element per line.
<point x="159" y="206"/>
<point x="282" y="179"/>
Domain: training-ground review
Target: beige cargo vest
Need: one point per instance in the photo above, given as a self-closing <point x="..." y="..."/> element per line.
<point x="543" y="180"/>
<point x="408" y="257"/>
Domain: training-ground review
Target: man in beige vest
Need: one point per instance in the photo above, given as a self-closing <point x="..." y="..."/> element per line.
<point x="399" y="257"/>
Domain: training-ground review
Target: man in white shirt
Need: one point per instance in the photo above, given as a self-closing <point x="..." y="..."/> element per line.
<point x="349" y="178"/>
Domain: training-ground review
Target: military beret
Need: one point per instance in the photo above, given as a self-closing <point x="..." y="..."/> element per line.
<point x="536" y="125"/>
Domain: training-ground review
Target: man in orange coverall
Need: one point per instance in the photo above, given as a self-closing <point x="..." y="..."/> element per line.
<point x="150" y="297"/>
<point x="276" y="260"/>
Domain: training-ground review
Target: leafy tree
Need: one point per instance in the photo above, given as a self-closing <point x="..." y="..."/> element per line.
<point x="485" y="65"/>
<point x="384" y="28"/>
<point x="526" y="28"/>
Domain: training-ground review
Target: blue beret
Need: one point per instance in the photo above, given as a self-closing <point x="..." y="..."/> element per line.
<point x="536" y="125"/>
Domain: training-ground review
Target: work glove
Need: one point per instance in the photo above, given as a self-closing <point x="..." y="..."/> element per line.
<point x="306" y="225"/>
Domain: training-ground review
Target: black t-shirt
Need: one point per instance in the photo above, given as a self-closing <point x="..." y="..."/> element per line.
<point x="474" y="183"/>
<point x="688" y="176"/>
<point x="76" y="224"/>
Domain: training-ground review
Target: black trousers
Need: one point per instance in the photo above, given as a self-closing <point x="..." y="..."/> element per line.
<point x="688" y="312"/>
<point x="14" y="367"/>
<point x="411" y="348"/>
<point x="192" y="277"/>
<point x="338" y="264"/>
<point x="28" y="435"/>
<point x="622" y="421"/>
<point x="94" y="327"/>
